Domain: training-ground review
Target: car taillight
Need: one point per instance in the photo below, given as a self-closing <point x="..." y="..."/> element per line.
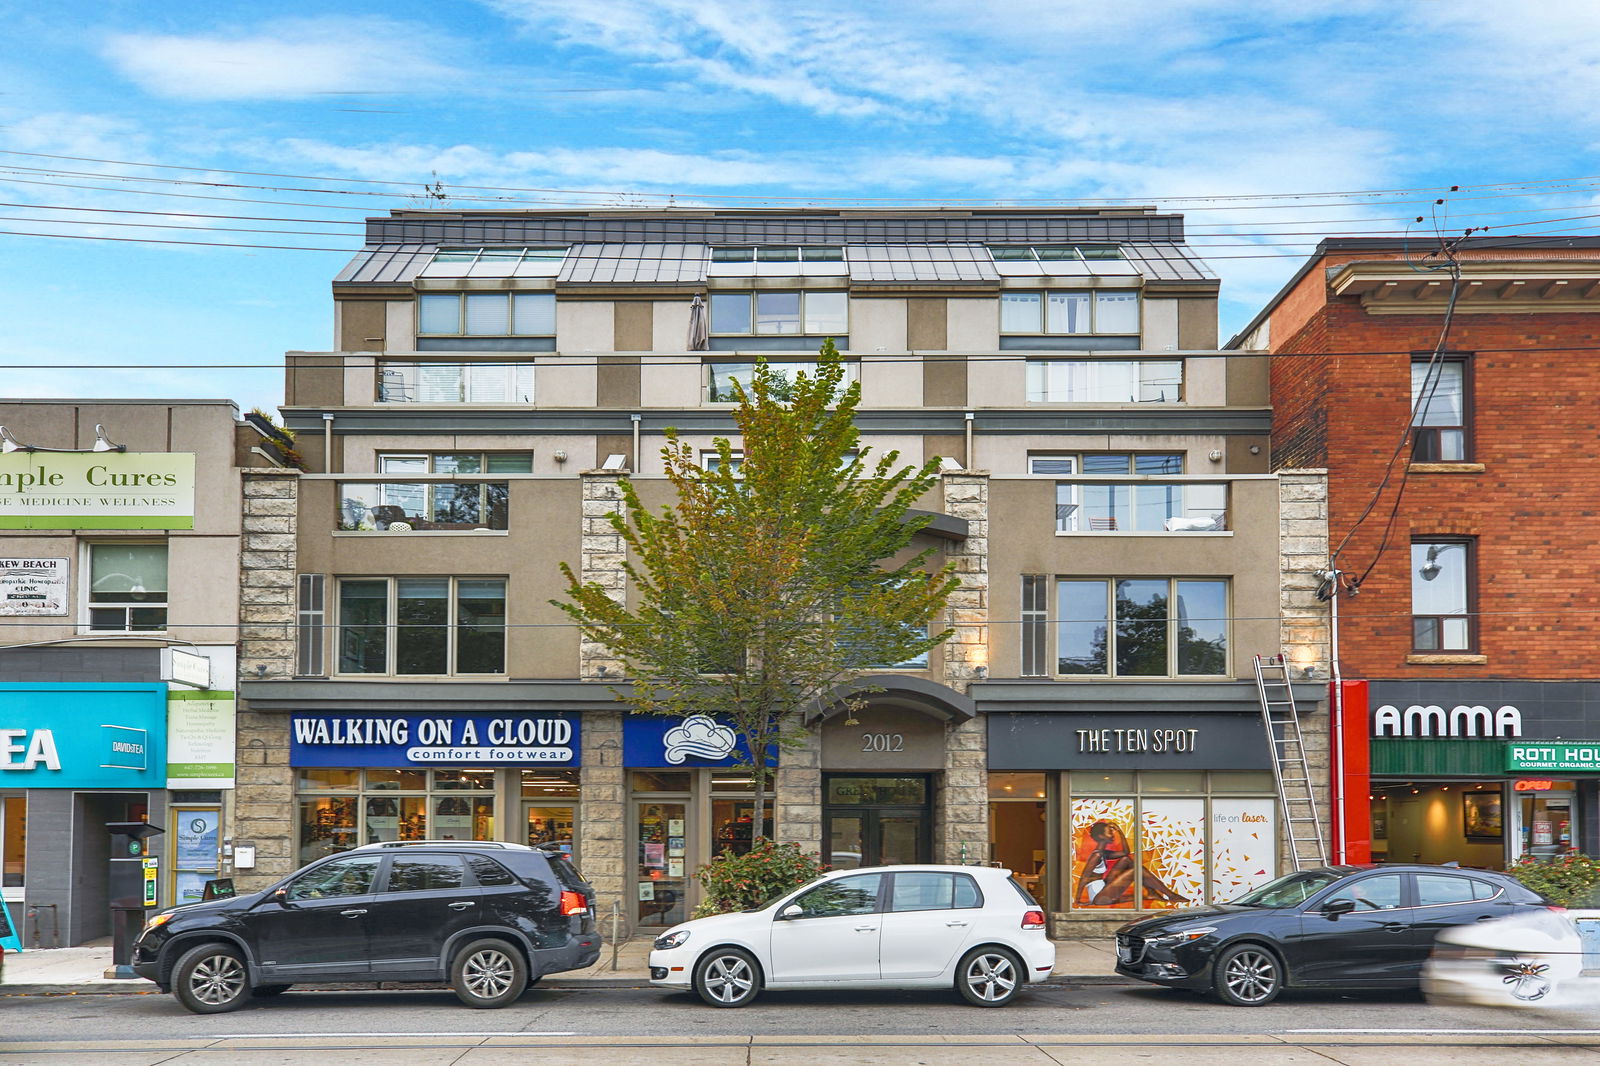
<point x="573" y="903"/>
<point x="1558" y="910"/>
<point x="1033" y="920"/>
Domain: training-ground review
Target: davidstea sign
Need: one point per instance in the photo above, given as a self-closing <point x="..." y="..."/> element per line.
<point x="96" y="490"/>
<point x="514" y="739"/>
<point x="83" y="736"/>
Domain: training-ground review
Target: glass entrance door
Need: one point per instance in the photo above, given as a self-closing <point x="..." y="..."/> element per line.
<point x="877" y="821"/>
<point x="660" y="827"/>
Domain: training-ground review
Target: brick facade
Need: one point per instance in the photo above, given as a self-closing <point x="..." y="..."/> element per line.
<point x="1342" y="392"/>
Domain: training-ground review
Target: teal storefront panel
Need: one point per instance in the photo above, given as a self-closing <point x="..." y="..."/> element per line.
<point x="1437" y="757"/>
<point x="83" y="735"/>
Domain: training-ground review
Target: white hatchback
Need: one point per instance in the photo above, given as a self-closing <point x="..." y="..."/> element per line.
<point x="968" y="927"/>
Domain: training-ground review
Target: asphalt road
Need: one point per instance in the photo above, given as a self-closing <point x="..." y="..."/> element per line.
<point x="64" y="1021"/>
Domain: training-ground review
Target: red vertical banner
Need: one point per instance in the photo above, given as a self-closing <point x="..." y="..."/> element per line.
<point x="1351" y="774"/>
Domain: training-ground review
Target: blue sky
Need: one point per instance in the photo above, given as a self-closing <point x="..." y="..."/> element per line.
<point x="1214" y="108"/>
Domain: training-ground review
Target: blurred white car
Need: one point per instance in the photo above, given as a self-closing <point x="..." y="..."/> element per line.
<point x="1529" y="960"/>
<point x="967" y="928"/>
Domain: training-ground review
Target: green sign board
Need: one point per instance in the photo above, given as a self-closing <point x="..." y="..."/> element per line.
<point x="96" y="490"/>
<point x="1559" y="756"/>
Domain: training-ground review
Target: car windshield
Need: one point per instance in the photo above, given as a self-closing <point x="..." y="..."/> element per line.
<point x="775" y="897"/>
<point x="1290" y="890"/>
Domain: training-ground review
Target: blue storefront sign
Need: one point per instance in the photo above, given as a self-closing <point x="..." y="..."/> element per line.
<point x="514" y="739"/>
<point x="56" y="735"/>
<point x="692" y="740"/>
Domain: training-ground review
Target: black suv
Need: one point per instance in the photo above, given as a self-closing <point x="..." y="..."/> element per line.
<point x="490" y="918"/>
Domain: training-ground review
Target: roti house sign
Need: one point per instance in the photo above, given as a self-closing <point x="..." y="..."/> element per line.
<point x="434" y="740"/>
<point x="97" y="490"/>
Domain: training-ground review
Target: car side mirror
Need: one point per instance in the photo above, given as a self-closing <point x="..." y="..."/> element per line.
<point x="1335" y="907"/>
<point x="791" y="912"/>
<point x="281" y="896"/>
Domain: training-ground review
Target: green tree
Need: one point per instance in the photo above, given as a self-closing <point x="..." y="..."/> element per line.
<point x="773" y="578"/>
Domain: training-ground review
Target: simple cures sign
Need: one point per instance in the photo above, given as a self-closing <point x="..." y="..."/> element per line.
<point x="97" y="490"/>
<point x="549" y="739"/>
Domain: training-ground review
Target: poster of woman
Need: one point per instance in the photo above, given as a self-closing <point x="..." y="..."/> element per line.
<point x="1106" y="871"/>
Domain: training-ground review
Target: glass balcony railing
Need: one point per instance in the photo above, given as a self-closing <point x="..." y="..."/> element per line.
<point x="720" y="378"/>
<point x="400" y="506"/>
<point x="1141" y="507"/>
<point x="502" y="383"/>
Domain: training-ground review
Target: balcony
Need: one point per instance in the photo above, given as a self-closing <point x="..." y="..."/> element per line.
<point x="427" y="506"/>
<point x="721" y="376"/>
<point x="1142" y="507"/>
<point x="1105" y="381"/>
<point x="444" y="383"/>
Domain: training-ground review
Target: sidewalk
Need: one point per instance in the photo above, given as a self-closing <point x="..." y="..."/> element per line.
<point x="80" y="970"/>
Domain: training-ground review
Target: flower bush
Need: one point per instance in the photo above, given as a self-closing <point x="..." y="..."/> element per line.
<point x="739" y="882"/>
<point x="1568" y="880"/>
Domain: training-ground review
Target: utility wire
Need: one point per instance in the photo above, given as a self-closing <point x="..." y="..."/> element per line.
<point x="1539" y="187"/>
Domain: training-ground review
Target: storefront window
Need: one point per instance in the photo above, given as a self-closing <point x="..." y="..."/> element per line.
<point x="442" y="805"/>
<point x="1161" y="840"/>
<point x="549" y="807"/>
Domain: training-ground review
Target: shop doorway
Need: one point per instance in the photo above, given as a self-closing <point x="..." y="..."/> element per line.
<point x="876" y="821"/>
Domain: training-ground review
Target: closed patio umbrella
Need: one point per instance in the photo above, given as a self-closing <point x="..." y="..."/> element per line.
<point x="699" y="325"/>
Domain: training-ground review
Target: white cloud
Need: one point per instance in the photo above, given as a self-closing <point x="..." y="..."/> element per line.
<point x="287" y="60"/>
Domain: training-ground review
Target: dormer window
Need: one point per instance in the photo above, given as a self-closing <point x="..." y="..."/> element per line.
<point x="1053" y="253"/>
<point x="499" y="262"/>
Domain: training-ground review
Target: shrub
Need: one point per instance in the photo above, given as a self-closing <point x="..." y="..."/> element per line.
<point x="740" y="882"/>
<point x="1566" y="880"/>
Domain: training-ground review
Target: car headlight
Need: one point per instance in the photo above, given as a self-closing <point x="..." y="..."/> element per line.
<point x="156" y="920"/>
<point x="675" y="939"/>
<point x="1182" y="936"/>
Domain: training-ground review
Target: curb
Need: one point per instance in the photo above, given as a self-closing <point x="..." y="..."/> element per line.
<point x="146" y="988"/>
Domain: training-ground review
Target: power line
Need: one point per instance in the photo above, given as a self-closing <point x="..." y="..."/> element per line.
<point x="1539" y="186"/>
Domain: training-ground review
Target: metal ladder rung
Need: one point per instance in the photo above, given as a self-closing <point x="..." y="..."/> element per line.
<point x="1292" y="773"/>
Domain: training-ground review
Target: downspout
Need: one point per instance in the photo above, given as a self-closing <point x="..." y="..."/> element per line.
<point x="1336" y="784"/>
<point x="635" y="462"/>
<point x="327" y="443"/>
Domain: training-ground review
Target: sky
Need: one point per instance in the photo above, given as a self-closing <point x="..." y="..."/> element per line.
<point x="225" y="154"/>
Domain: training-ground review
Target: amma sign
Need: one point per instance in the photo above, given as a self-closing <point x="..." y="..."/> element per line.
<point x="1434" y="721"/>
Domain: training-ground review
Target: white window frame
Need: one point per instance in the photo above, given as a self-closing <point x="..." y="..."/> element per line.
<point x="1110" y="582"/>
<point x="461" y="312"/>
<point x="1093" y="294"/>
<point x="86" y="587"/>
<point x="452" y="625"/>
<point x="803" y="294"/>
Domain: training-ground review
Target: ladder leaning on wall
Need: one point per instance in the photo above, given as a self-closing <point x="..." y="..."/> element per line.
<point x="1290" y="766"/>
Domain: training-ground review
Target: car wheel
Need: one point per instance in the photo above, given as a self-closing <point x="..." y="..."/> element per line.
<point x="488" y="973"/>
<point x="727" y="977"/>
<point x="1247" y="975"/>
<point x="989" y="977"/>
<point x="263" y="991"/>
<point x="211" y="979"/>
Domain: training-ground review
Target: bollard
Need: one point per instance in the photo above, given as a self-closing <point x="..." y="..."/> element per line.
<point x="616" y="918"/>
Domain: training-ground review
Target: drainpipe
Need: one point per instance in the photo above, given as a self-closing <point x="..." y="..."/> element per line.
<point x="636" y="463"/>
<point x="327" y="443"/>
<point x="1336" y="763"/>
<point x="969" y="462"/>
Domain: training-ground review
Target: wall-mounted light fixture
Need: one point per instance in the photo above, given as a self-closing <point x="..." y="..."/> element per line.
<point x="102" y="443"/>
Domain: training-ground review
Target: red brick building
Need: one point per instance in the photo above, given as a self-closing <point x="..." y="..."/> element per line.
<point x="1470" y="532"/>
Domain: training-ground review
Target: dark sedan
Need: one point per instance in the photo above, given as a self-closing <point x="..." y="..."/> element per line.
<point x="1356" y="927"/>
